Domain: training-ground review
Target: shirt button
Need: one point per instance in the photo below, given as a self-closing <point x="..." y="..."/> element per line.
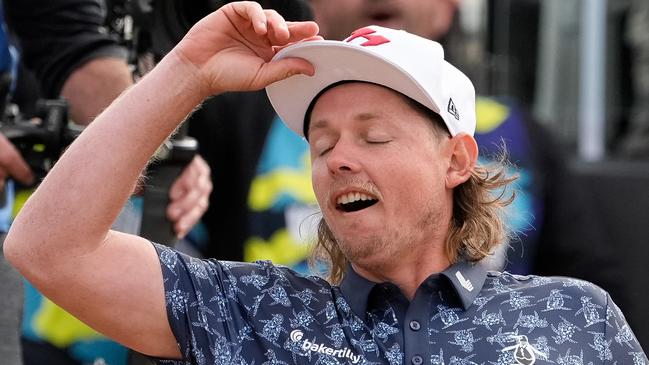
<point x="415" y="326"/>
<point x="417" y="360"/>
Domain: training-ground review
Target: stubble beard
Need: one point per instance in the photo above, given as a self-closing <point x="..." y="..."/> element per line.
<point x="377" y="253"/>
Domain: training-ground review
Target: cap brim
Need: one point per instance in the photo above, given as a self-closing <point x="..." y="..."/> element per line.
<point x="336" y="61"/>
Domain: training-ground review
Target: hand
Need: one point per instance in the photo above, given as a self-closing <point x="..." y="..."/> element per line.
<point x="231" y="48"/>
<point x="12" y="164"/>
<point x="189" y="196"/>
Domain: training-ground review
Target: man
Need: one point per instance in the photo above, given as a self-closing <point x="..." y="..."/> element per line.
<point x="13" y="166"/>
<point x="389" y="125"/>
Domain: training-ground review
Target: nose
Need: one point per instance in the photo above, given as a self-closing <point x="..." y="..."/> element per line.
<point x="343" y="159"/>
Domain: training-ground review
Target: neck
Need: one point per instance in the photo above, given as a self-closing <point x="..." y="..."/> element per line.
<point x="406" y="273"/>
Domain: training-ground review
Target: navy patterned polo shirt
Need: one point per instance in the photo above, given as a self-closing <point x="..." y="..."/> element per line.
<point x="258" y="313"/>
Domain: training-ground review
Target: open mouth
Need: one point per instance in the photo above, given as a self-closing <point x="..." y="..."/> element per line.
<point x="382" y="13"/>
<point x="381" y="17"/>
<point x="353" y="202"/>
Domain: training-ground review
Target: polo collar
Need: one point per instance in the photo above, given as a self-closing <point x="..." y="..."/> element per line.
<point x="466" y="278"/>
<point x="356" y="290"/>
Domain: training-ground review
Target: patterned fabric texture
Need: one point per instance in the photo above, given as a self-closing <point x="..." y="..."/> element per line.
<point x="258" y="313"/>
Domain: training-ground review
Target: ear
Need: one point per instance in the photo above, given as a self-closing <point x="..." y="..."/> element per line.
<point x="464" y="154"/>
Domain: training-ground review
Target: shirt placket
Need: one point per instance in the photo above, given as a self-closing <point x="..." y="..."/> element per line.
<point x="415" y="328"/>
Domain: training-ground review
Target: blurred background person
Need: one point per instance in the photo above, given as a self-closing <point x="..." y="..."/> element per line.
<point x="13" y="167"/>
<point x="635" y="143"/>
<point x="72" y="56"/>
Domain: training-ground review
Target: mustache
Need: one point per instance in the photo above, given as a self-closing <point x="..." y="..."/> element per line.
<point x="354" y="183"/>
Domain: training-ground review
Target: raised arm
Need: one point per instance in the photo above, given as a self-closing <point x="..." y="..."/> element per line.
<point x="61" y="240"/>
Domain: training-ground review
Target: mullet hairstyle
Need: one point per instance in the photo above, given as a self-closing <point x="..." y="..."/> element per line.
<point x="476" y="228"/>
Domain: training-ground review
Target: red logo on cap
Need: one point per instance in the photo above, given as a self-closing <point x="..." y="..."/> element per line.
<point x="372" y="40"/>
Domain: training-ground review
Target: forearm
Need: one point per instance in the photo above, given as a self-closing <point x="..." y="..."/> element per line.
<point x="80" y="198"/>
<point x="94" y="85"/>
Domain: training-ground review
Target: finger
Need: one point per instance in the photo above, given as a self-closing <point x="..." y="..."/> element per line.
<point x="13" y="163"/>
<point x="252" y="12"/>
<point x="281" y="69"/>
<point x="189" y="220"/>
<point x="277" y="29"/>
<point x="312" y="38"/>
<point x="302" y="30"/>
<point x="198" y="195"/>
<point x="195" y="179"/>
<point x="196" y="170"/>
<point x="298" y="32"/>
<point x="192" y="197"/>
<point x="183" y="182"/>
<point x="202" y="167"/>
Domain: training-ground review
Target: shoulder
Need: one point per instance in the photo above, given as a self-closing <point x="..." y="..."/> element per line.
<point x="547" y="294"/>
<point x="264" y="273"/>
<point x="575" y="311"/>
<point x="504" y="282"/>
<point x="560" y="297"/>
<point x="257" y="275"/>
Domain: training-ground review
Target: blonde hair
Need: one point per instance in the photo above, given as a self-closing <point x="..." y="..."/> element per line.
<point x="476" y="228"/>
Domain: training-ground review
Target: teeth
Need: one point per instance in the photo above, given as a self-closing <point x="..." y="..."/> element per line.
<point x="352" y="197"/>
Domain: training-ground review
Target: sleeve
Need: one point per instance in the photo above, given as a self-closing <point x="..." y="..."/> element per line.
<point x="619" y="344"/>
<point x="202" y="304"/>
<point x="57" y="36"/>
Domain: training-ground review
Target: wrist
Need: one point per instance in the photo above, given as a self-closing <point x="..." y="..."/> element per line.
<point x="188" y="74"/>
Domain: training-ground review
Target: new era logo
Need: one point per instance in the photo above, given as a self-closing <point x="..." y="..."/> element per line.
<point x="452" y="109"/>
<point x="466" y="283"/>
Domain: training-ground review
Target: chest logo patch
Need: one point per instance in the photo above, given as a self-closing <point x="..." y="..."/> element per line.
<point x="524" y="352"/>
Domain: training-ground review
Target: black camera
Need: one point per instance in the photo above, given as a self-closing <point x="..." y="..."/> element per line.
<point x="40" y="139"/>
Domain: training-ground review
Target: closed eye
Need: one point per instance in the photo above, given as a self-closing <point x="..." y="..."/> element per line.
<point x="324" y="151"/>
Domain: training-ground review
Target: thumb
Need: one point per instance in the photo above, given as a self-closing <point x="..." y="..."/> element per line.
<point x="12" y="163"/>
<point x="282" y="69"/>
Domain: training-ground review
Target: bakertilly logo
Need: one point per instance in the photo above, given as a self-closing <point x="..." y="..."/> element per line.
<point x="312" y="346"/>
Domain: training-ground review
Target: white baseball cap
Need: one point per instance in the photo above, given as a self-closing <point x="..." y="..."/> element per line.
<point x="404" y="62"/>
